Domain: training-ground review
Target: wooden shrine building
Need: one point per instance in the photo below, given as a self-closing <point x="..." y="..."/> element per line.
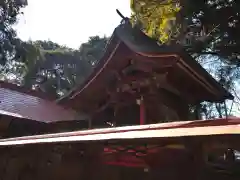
<point x="138" y="81"/>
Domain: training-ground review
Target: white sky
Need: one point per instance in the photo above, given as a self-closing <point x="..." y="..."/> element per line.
<point x="70" y="22"/>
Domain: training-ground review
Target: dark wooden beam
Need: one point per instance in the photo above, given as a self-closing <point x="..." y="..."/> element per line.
<point x="157" y="62"/>
<point x="189" y="91"/>
<point x="170" y="100"/>
<point x="138" y="67"/>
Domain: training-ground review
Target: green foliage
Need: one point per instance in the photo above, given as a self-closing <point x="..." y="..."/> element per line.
<point x="9" y="43"/>
<point x="157" y="18"/>
<point x="56" y="69"/>
<point x="49" y="46"/>
<point x="93" y="50"/>
<point x="210" y="27"/>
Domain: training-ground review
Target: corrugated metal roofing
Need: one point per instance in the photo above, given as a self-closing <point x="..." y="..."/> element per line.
<point x="24" y="105"/>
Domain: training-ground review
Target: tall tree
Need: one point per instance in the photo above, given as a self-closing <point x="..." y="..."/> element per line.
<point x="211" y="27"/>
<point x="93" y="50"/>
<point x="156" y="18"/>
<point x="56" y="69"/>
<point x="9" y="43"/>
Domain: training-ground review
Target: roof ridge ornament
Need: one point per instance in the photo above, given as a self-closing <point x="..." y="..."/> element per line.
<point x="124" y="18"/>
<point x="121" y="15"/>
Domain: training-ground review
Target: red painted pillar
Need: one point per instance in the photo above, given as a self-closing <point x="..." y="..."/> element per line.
<point x="142" y="111"/>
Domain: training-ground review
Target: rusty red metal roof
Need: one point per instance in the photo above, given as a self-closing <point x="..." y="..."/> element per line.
<point x="14" y="101"/>
<point x="18" y="88"/>
<point x="163" y="130"/>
